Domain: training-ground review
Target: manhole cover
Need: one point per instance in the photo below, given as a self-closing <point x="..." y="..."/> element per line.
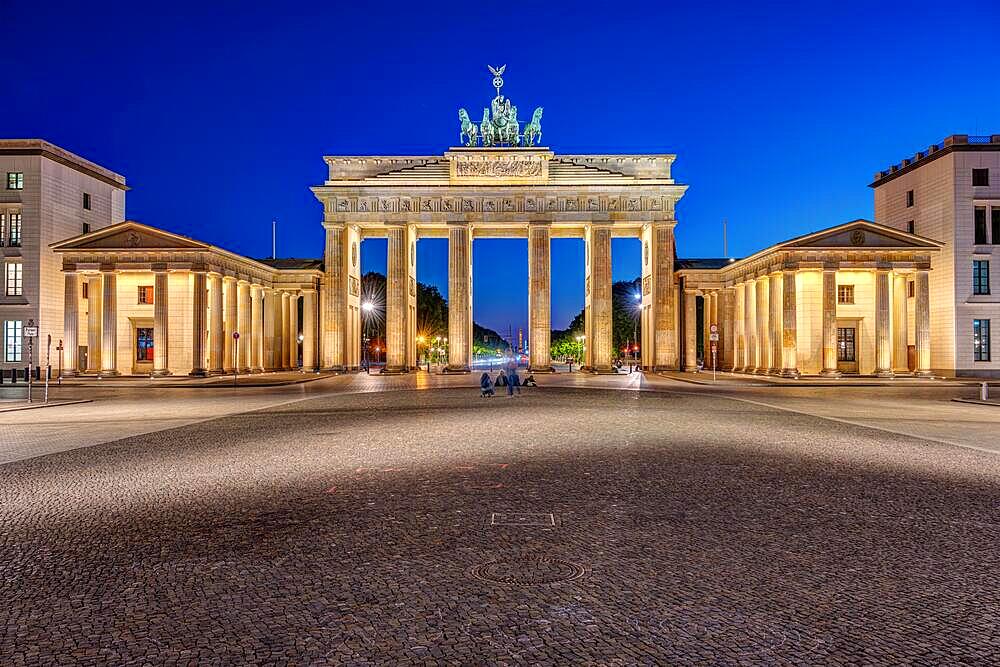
<point x="528" y="571"/>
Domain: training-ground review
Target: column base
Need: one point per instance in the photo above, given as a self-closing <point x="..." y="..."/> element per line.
<point x="216" y="371"/>
<point x="70" y="374"/>
<point x="830" y="373"/>
<point x="763" y="371"/>
<point x="884" y="373"/>
<point x="923" y="374"/>
<point x="541" y="369"/>
<point x="245" y="371"/>
<point x="792" y="373"/>
<point x="108" y="374"/>
<point x="456" y="370"/>
<point x="198" y="373"/>
<point x="160" y="373"/>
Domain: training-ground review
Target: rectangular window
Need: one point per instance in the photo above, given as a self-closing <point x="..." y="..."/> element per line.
<point x="144" y="344"/>
<point x="995" y="213"/>
<point x="86" y="228"/>
<point x="909" y="198"/>
<point x="15" y="286"/>
<point x="981" y="340"/>
<point x="980" y="222"/>
<point x="980" y="177"/>
<point x="980" y="276"/>
<point x="15" y="180"/>
<point x="86" y="201"/>
<point x="909" y="227"/>
<point x="12" y="340"/>
<point x="85" y="291"/>
<point x="145" y="294"/>
<point x="845" y="294"/>
<point x="911" y="289"/>
<point x="14" y="230"/>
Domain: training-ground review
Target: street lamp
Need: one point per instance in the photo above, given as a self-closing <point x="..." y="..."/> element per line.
<point x="635" y="322"/>
<point x="367" y="307"/>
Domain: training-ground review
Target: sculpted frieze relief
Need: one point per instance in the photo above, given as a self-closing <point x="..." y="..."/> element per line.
<point x="493" y="204"/>
<point x="498" y="168"/>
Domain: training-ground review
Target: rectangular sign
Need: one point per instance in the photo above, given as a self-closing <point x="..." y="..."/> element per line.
<point x="30" y="332"/>
<point x="713" y="337"/>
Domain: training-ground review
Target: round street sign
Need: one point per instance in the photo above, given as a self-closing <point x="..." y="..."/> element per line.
<point x="714" y="328"/>
<point x="236" y="335"/>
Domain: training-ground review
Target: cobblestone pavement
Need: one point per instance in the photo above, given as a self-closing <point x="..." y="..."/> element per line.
<point x="566" y="526"/>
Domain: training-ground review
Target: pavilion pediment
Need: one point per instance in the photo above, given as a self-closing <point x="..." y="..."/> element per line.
<point x="862" y="234"/>
<point x="130" y="236"/>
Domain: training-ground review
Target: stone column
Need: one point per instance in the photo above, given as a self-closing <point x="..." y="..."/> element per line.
<point x="335" y="282"/>
<point x="922" y="323"/>
<point x="256" y="328"/>
<point x="659" y="296"/>
<point x="788" y="343"/>
<point x="830" y="323"/>
<point x="285" y="348"/>
<point x="272" y="307"/>
<point x="94" y="318"/>
<point x="293" y="331"/>
<point x="750" y="325"/>
<point x="199" y="307"/>
<point x="216" y="335"/>
<point x="690" y="330"/>
<point x="599" y="339"/>
<point x="539" y="297"/>
<point x="161" y="322"/>
<point x="396" y="301"/>
<point x="245" y="344"/>
<point x="230" y="317"/>
<point x="763" y="352"/>
<point x="774" y="300"/>
<point x="71" y="323"/>
<point x="309" y="331"/>
<point x="727" y="329"/>
<point x="900" y="362"/>
<point x="739" y="334"/>
<point x="883" y="341"/>
<point x="459" y="298"/>
<point x="109" y="323"/>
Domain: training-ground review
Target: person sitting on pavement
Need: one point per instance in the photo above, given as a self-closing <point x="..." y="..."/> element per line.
<point x="530" y="381"/>
<point x="486" y="385"/>
<point x="513" y="382"/>
<point x="501" y="379"/>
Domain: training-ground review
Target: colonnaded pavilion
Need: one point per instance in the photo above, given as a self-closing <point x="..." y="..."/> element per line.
<point x="849" y="299"/>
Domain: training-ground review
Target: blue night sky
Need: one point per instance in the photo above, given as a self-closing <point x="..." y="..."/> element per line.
<point x="219" y="114"/>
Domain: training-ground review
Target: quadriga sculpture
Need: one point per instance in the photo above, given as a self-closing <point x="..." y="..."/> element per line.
<point x="533" y="130"/>
<point x="468" y="133"/>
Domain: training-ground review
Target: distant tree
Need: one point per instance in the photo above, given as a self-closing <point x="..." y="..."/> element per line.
<point x="624" y="321"/>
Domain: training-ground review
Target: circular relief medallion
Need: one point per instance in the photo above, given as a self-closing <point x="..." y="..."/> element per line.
<point x="354" y="254"/>
<point x="858" y="237"/>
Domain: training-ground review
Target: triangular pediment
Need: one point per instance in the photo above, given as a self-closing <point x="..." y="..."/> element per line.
<point x="130" y="235"/>
<point x="861" y="234"/>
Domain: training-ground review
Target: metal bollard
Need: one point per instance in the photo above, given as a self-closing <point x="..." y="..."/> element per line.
<point x="984" y="392"/>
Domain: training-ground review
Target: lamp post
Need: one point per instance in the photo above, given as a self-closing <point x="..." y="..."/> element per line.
<point x="301" y="337"/>
<point x="366" y="308"/>
<point x="635" y="323"/>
